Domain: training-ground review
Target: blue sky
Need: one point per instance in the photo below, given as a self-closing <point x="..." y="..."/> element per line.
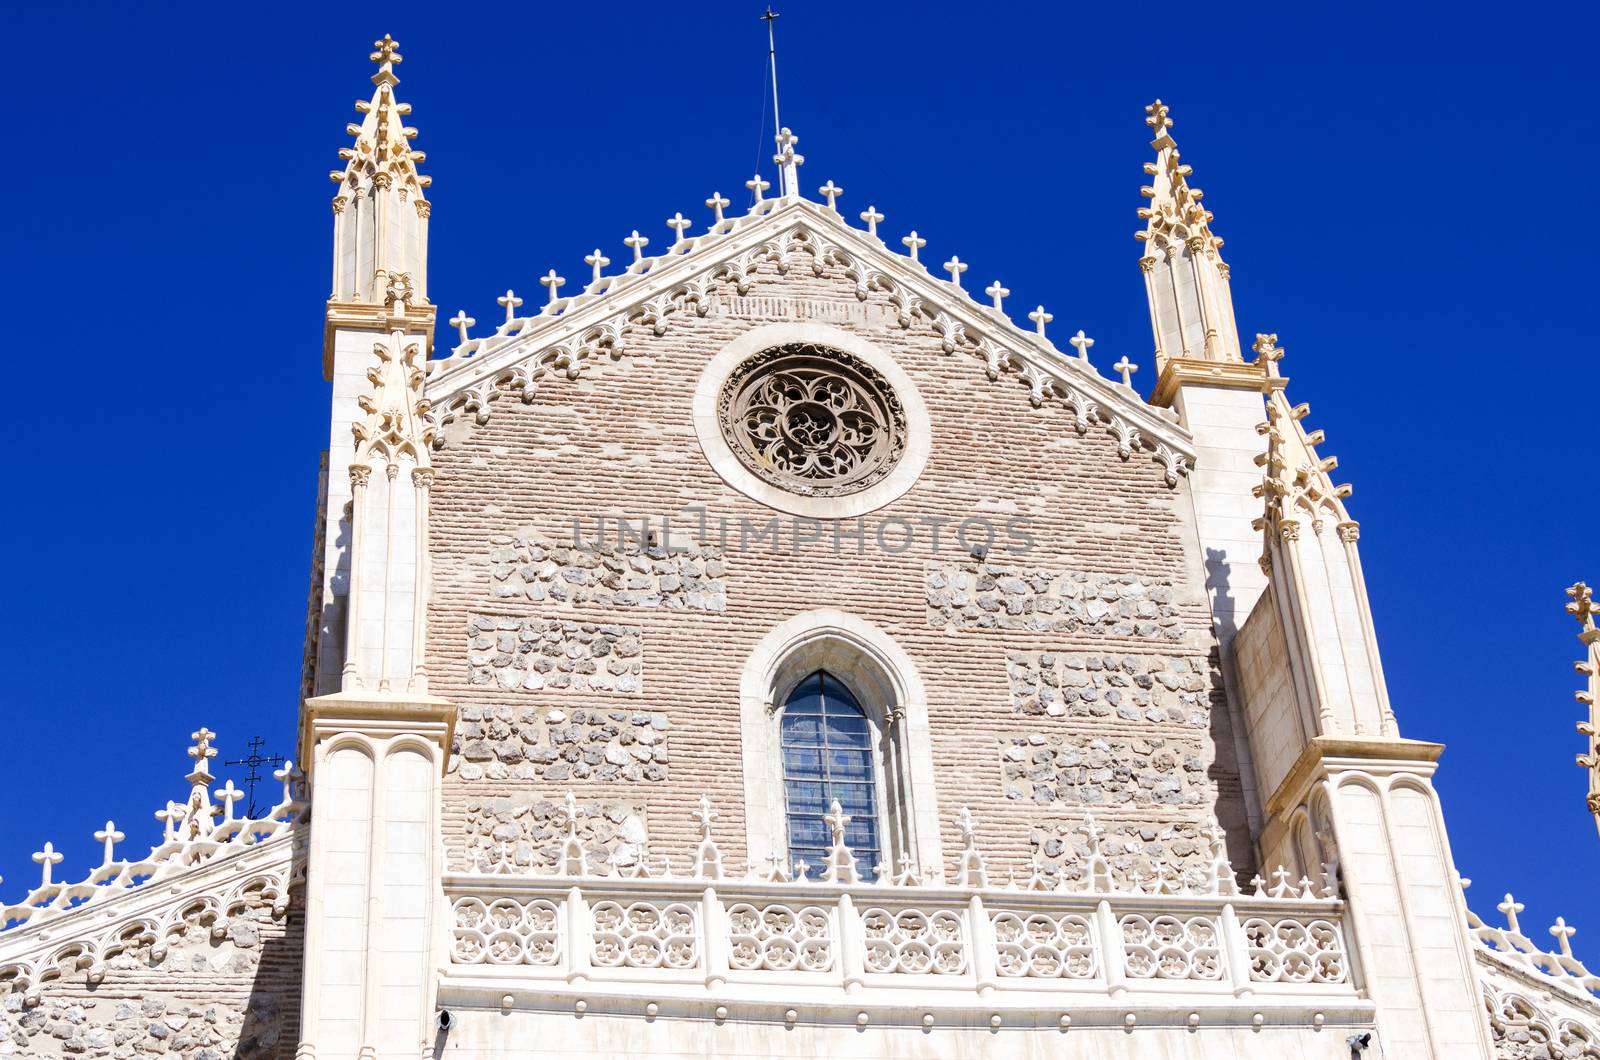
<point x="1400" y="194"/>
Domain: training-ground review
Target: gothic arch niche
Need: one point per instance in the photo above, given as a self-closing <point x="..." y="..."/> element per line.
<point x="881" y="678"/>
<point x="876" y="426"/>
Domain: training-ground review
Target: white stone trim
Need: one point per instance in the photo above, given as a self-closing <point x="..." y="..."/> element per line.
<point x="726" y="464"/>
<point x="873" y="663"/>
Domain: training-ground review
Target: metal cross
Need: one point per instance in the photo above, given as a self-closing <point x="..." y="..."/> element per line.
<point x="914" y="243"/>
<point x="553" y="282"/>
<point x="255" y="759"/>
<point x="510" y="301"/>
<point x="955" y="267"/>
<point x="1127" y="368"/>
<point x="677" y="222"/>
<point x="998" y="293"/>
<point x="461" y="322"/>
<point x="872" y="217"/>
<point x="110" y="837"/>
<point x="1082" y="342"/>
<point x="831" y="191"/>
<point x="597" y="261"/>
<point x="638" y="243"/>
<point x="1040" y="318"/>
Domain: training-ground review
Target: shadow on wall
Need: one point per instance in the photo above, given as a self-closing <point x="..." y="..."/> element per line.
<point x="1225" y="768"/>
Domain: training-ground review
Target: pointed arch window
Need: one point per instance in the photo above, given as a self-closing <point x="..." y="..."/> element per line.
<point x="829" y="752"/>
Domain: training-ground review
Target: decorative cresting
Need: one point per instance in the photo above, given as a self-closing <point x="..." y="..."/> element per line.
<point x="1541" y="1003"/>
<point x="199" y="872"/>
<point x="703" y="932"/>
<point x="569" y="333"/>
<point x="1583" y="609"/>
<point x="1186" y="280"/>
<point x="812" y="420"/>
<point x="1318" y="575"/>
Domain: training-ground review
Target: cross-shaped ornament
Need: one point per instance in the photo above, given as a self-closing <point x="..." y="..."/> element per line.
<point x="229" y="795"/>
<point x="202" y="749"/>
<point x="553" y="282"/>
<point x="1281" y="876"/>
<point x="1267" y="348"/>
<point x="110" y="837"/>
<point x="596" y="261"/>
<point x="831" y="192"/>
<point x="704" y="816"/>
<point x="1127" y="368"/>
<point x="872" y="217"/>
<point x="677" y="222"/>
<point x="997" y="292"/>
<point x="913" y="243"/>
<point x="1563" y="933"/>
<point x="1082" y="342"/>
<point x="638" y="243"/>
<point x="461" y="322"/>
<point x="510" y="301"/>
<point x="169" y="819"/>
<point x="1582" y="607"/>
<point x="800" y="870"/>
<point x="286" y="777"/>
<point x="836" y="819"/>
<point x="387" y="50"/>
<point x="955" y="267"/>
<point x="47" y="859"/>
<point x="1040" y="318"/>
<point x="1511" y="907"/>
<point x="717" y="202"/>
<point x="572" y="816"/>
<point x="757" y="185"/>
<point x="1158" y="119"/>
<point x="967" y="826"/>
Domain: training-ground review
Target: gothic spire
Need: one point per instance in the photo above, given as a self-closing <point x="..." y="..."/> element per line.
<point x="1583" y="609"/>
<point x="1186" y="280"/>
<point x="380" y="228"/>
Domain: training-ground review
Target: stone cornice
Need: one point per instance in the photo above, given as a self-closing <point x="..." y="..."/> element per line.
<point x="1195" y="371"/>
<point x="366" y="316"/>
<point x="1374" y="754"/>
<point x="571" y="330"/>
<point x="375" y="714"/>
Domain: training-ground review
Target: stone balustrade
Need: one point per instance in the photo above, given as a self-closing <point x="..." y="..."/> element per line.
<point x="594" y="939"/>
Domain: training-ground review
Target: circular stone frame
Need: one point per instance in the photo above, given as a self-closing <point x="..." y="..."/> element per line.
<point x="726" y="463"/>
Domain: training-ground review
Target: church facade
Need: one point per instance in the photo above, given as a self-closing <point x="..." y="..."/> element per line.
<point x="694" y="667"/>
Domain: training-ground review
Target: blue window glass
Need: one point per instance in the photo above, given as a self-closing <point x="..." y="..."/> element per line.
<point x="827" y="755"/>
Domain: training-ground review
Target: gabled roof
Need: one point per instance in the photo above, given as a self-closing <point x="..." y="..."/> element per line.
<point x="785" y="233"/>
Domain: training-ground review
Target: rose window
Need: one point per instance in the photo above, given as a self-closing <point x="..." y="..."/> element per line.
<point x="813" y="420"/>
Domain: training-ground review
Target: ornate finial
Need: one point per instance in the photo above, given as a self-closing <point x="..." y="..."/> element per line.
<point x="704" y="815"/>
<point x="1081" y="342"/>
<point x="202" y="751"/>
<point x="871" y="216"/>
<point x="841" y="863"/>
<point x="1582" y="607"/>
<point x="387" y="51"/>
<point x="831" y="192"/>
<point x="1563" y="933"/>
<point x="1040" y="318"/>
<point x="571" y="808"/>
<point x="1267" y="348"/>
<point x="677" y="222"/>
<point x="461" y="322"/>
<point x="913" y="243"/>
<point x="596" y="261"/>
<point x="229" y="795"/>
<point x="1511" y="907"/>
<point x="955" y="267"/>
<point x="997" y="293"/>
<point x="1157" y="117"/>
<point x="757" y="185"/>
<point x="169" y="819"/>
<point x="788" y="161"/>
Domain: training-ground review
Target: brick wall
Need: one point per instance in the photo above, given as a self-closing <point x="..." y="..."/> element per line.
<point x="620" y="440"/>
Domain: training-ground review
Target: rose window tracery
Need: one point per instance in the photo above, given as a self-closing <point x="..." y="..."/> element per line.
<point x="812" y="420"/>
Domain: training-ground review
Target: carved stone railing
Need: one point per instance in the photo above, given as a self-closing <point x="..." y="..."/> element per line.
<point x="819" y="942"/>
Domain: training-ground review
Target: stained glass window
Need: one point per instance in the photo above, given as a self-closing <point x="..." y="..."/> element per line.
<point x="828" y="755"/>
